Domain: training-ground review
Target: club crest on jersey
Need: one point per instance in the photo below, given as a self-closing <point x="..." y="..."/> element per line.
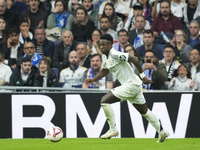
<point x="122" y="58"/>
<point x="111" y="63"/>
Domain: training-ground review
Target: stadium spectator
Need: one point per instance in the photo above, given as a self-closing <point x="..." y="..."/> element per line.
<point x="136" y="35"/>
<point x="82" y="25"/>
<point x="92" y="44"/>
<point x="136" y="11"/>
<point x="119" y="5"/>
<point x="105" y="28"/>
<point x="92" y="11"/>
<point x="14" y="49"/>
<point x="73" y="75"/>
<point x="25" y="34"/>
<point x="193" y="35"/>
<point x="194" y="65"/>
<point x="84" y="56"/>
<point x="165" y="21"/>
<point x="147" y="10"/>
<point x="62" y="50"/>
<point x="23" y="75"/>
<point x="181" y="80"/>
<point x="16" y="6"/>
<point x="103" y="83"/>
<point x="116" y="22"/>
<point x="11" y="17"/>
<point x="170" y="63"/>
<point x="45" y="77"/>
<point x="35" y="16"/>
<point x="44" y="47"/>
<point x="123" y="40"/>
<point x="48" y="6"/>
<point x="73" y="5"/>
<point x="4" y="28"/>
<point x="30" y="51"/>
<point x="190" y="13"/>
<point x="148" y="39"/>
<point x="154" y="71"/>
<point x="60" y="17"/>
<point x="182" y="50"/>
<point x="5" y="71"/>
<point x="175" y="9"/>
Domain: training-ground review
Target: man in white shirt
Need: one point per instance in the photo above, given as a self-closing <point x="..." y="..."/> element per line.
<point x="194" y="65"/>
<point x="5" y="71"/>
<point x="131" y="87"/>
<point x="105" y="28"/>
<point x="73" y="75"/>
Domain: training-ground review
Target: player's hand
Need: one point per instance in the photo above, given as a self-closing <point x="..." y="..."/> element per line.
<point x="89" y="81"/>
<point x="192" y="84"/>
<point x="146" y="80"/>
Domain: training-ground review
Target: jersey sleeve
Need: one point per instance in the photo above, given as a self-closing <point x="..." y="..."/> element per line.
<point x="104" y="62"/>
<point x="119" y="55"/>
<point x="62" y="80"/>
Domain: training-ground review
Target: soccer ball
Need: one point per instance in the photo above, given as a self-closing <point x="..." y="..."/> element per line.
<point x="55" y="134"/>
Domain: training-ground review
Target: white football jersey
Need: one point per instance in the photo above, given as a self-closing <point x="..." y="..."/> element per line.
<point x="117" y="63"/>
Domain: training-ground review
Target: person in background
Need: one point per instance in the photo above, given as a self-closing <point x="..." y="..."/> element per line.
<point x="92" y="44"/>
<point x="30" y="51"/>
<point x="105" y="24"/>
<point x="14" y="48"/>
<point x="181" y="80"/>
<point x="83" y="55"/>
<point x="5" y="71"/>
<point x="136" y="11"/>
<point x="4" y="28"/>
<point x="116" y="22"/>
<point x="45" y="77"/>
<point x="73" y="75"/>
<point x="36" y="16"/>
<point x="147" y="10"/>
<point x="103" y="83"/>
<point x="136" y="35"/>
<point x="16" y="6"/>
<point x="154" y="71"/>
<point x="190" y="12"/>
<point x="170" y="63"/>
<point x="60" y="17"/>
<point x="23" y="75"/>
<point x="194" y="65"/>
<point x="123" y="40"/>
<point x="182" y="50"/>
<point x="193" y="35"/>
<point x="62" y="50"/>
<point x="44" y="47"/>
<point x="82" y="25"/>
<point x="11" y="17"/>
<point x="148" y="40"/>
<point x="25" y="35"/>
<point x="92" y="11"/>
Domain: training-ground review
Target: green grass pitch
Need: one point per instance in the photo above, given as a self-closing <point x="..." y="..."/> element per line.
<point x="99" y="144"/>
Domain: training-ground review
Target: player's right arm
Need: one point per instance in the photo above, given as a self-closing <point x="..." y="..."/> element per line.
<point x="103" y="73"/>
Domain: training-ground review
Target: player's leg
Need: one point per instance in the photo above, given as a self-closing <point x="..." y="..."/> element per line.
<point x="106" y="102"/>
<point x="145" y="112"/>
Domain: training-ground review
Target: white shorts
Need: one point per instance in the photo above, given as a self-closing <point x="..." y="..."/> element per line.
<point x="132" y="93"/>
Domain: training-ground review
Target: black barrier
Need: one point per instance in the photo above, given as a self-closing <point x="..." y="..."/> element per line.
<point x="79" y="115"/>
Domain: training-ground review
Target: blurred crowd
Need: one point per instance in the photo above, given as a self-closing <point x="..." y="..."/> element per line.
<point x="54" y="43"/>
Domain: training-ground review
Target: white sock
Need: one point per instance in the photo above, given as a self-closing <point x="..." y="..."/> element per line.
<point x="109" y="114"/>
<point x="153" y="120"/>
